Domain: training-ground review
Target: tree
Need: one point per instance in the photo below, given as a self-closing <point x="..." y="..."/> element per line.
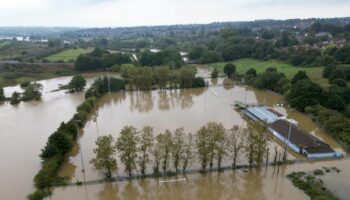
<point x="305" y="93"/>
<point x="187" y="155"/>
<point x="32" y="91"/>
<point x="299" y="76"/>
<point x="165" y="146"/>
<point x="260" y="139"/>
<point x="221" y="144"/>
<point x="198" y="82"/>
<point x="145" y="147"/>
<point x="251" y="72"/>
<point x="162" y="76"/>
<point x="339" y="82"/>
<point x="229" y="69"/>
<point x="215" y="73"/>
<point x="236" y="141"/>
<point x="15" y="98"/>
<point x="2" y="94"/>
<point x="156" y="152"/>
<point x="104" y="161"/>
<point x="211" y="142"/>
<point x="127" y="148"/>
<point x="202" y="144"/>
<point x="334" y="101"/>
<point x="77" y="83"/>
<point x="178" y="142"/>
<point x="185" y="76"/>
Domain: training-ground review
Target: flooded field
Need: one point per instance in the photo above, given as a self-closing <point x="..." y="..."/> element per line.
<point x="24" y="130"/>
<point x="190" y="109"/>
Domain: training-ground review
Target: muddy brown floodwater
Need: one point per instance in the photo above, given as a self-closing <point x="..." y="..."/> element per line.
<point x="190" y="109"/>
<point x="24" y="130"/>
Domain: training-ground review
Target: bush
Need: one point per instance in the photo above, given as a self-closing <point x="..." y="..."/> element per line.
<point x="37" y="195"/>
<point x="198" y="82"/>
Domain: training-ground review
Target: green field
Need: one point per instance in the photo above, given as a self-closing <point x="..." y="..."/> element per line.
<point x="315" y="73"/>
<point x="68" y="55"/>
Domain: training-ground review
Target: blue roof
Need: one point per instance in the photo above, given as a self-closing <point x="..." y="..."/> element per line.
<point x="263" y="114"/>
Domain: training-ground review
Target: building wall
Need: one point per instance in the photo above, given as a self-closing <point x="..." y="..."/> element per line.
<point x="321" y="155"/>
<point x="294" y="147"/>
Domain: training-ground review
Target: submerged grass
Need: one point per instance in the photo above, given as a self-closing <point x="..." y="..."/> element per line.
<point x="312" y="185"/>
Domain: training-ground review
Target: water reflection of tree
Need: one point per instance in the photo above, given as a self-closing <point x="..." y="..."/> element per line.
<point x="228" y="84"/>
<point x="110" y="99"/>
<point x="252" y="185"/>
<point x="130" y="191"/>
<point x="141" y="101"/>
<point x="147" y="188"/>
<point x="109" y="192"/>
<point x="209" y="187"/>
<point x="164" y="100"/>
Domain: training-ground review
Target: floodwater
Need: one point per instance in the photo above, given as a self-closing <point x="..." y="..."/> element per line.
<point x="24" y="130"/>
<point x="190" y="109"/>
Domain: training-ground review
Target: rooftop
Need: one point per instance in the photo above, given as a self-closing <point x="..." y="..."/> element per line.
<point x="265" y="114"/>
<point x="299" y="137"/>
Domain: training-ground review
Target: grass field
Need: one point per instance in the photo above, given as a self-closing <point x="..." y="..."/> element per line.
<point x="315" y="73"/>
<point x="68" y="55"/>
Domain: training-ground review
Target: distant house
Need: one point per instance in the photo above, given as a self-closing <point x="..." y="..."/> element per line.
<point x="300" y="141"/>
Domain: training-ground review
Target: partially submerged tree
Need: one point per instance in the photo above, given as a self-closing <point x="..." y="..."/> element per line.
<point x="2" y="94"/>
<point x="104" y="161"/>
<point x="188" y="151"/>
<point x="165" y="145"/>
<point x="145" y="147"/>
<point x="256" y="143"/>
<point x="229" y="69"/>
<point x="202" y="144"/>
<point x="210" y="142"/>
<point x="77" y="83"/>
<point x="32" y="91"/>
<point x="178" y="142"/>
<point x="127" y="147"/>
<point x="236" y="139"/>
<point x="156" y="154"/>
<point x="215" y="73"/>
<point x="15" y="98"/>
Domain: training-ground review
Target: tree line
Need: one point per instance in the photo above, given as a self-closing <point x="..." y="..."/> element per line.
<point x="62" y="140"/>
<point x="143" y="152"/>
<point x="144" y="78"/>
<point x="100" y="59"/>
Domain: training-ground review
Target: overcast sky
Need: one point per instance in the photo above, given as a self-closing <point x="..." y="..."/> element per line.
<point x="112" y="13"/>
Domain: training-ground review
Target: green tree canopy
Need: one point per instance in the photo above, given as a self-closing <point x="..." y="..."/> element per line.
<point x="299" y="76"/>
<point x="229" y="69"/>
<point x="305" y="93"/>
<point x="104" y="162"/>
<point x="77" y="83"/>
<point x="127" y="147"/>
<point x="2" y="94"/>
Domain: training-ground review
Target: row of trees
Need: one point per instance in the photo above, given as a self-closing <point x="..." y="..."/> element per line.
<point x="167" y="57"/>
<point x="138" y="150"/>
<point x="62" y="140"/>
<point x="100" y="59"/>
<point x="143" y="78"/>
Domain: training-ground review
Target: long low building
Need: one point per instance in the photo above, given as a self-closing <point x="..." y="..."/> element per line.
<point x="300" y="141"/>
